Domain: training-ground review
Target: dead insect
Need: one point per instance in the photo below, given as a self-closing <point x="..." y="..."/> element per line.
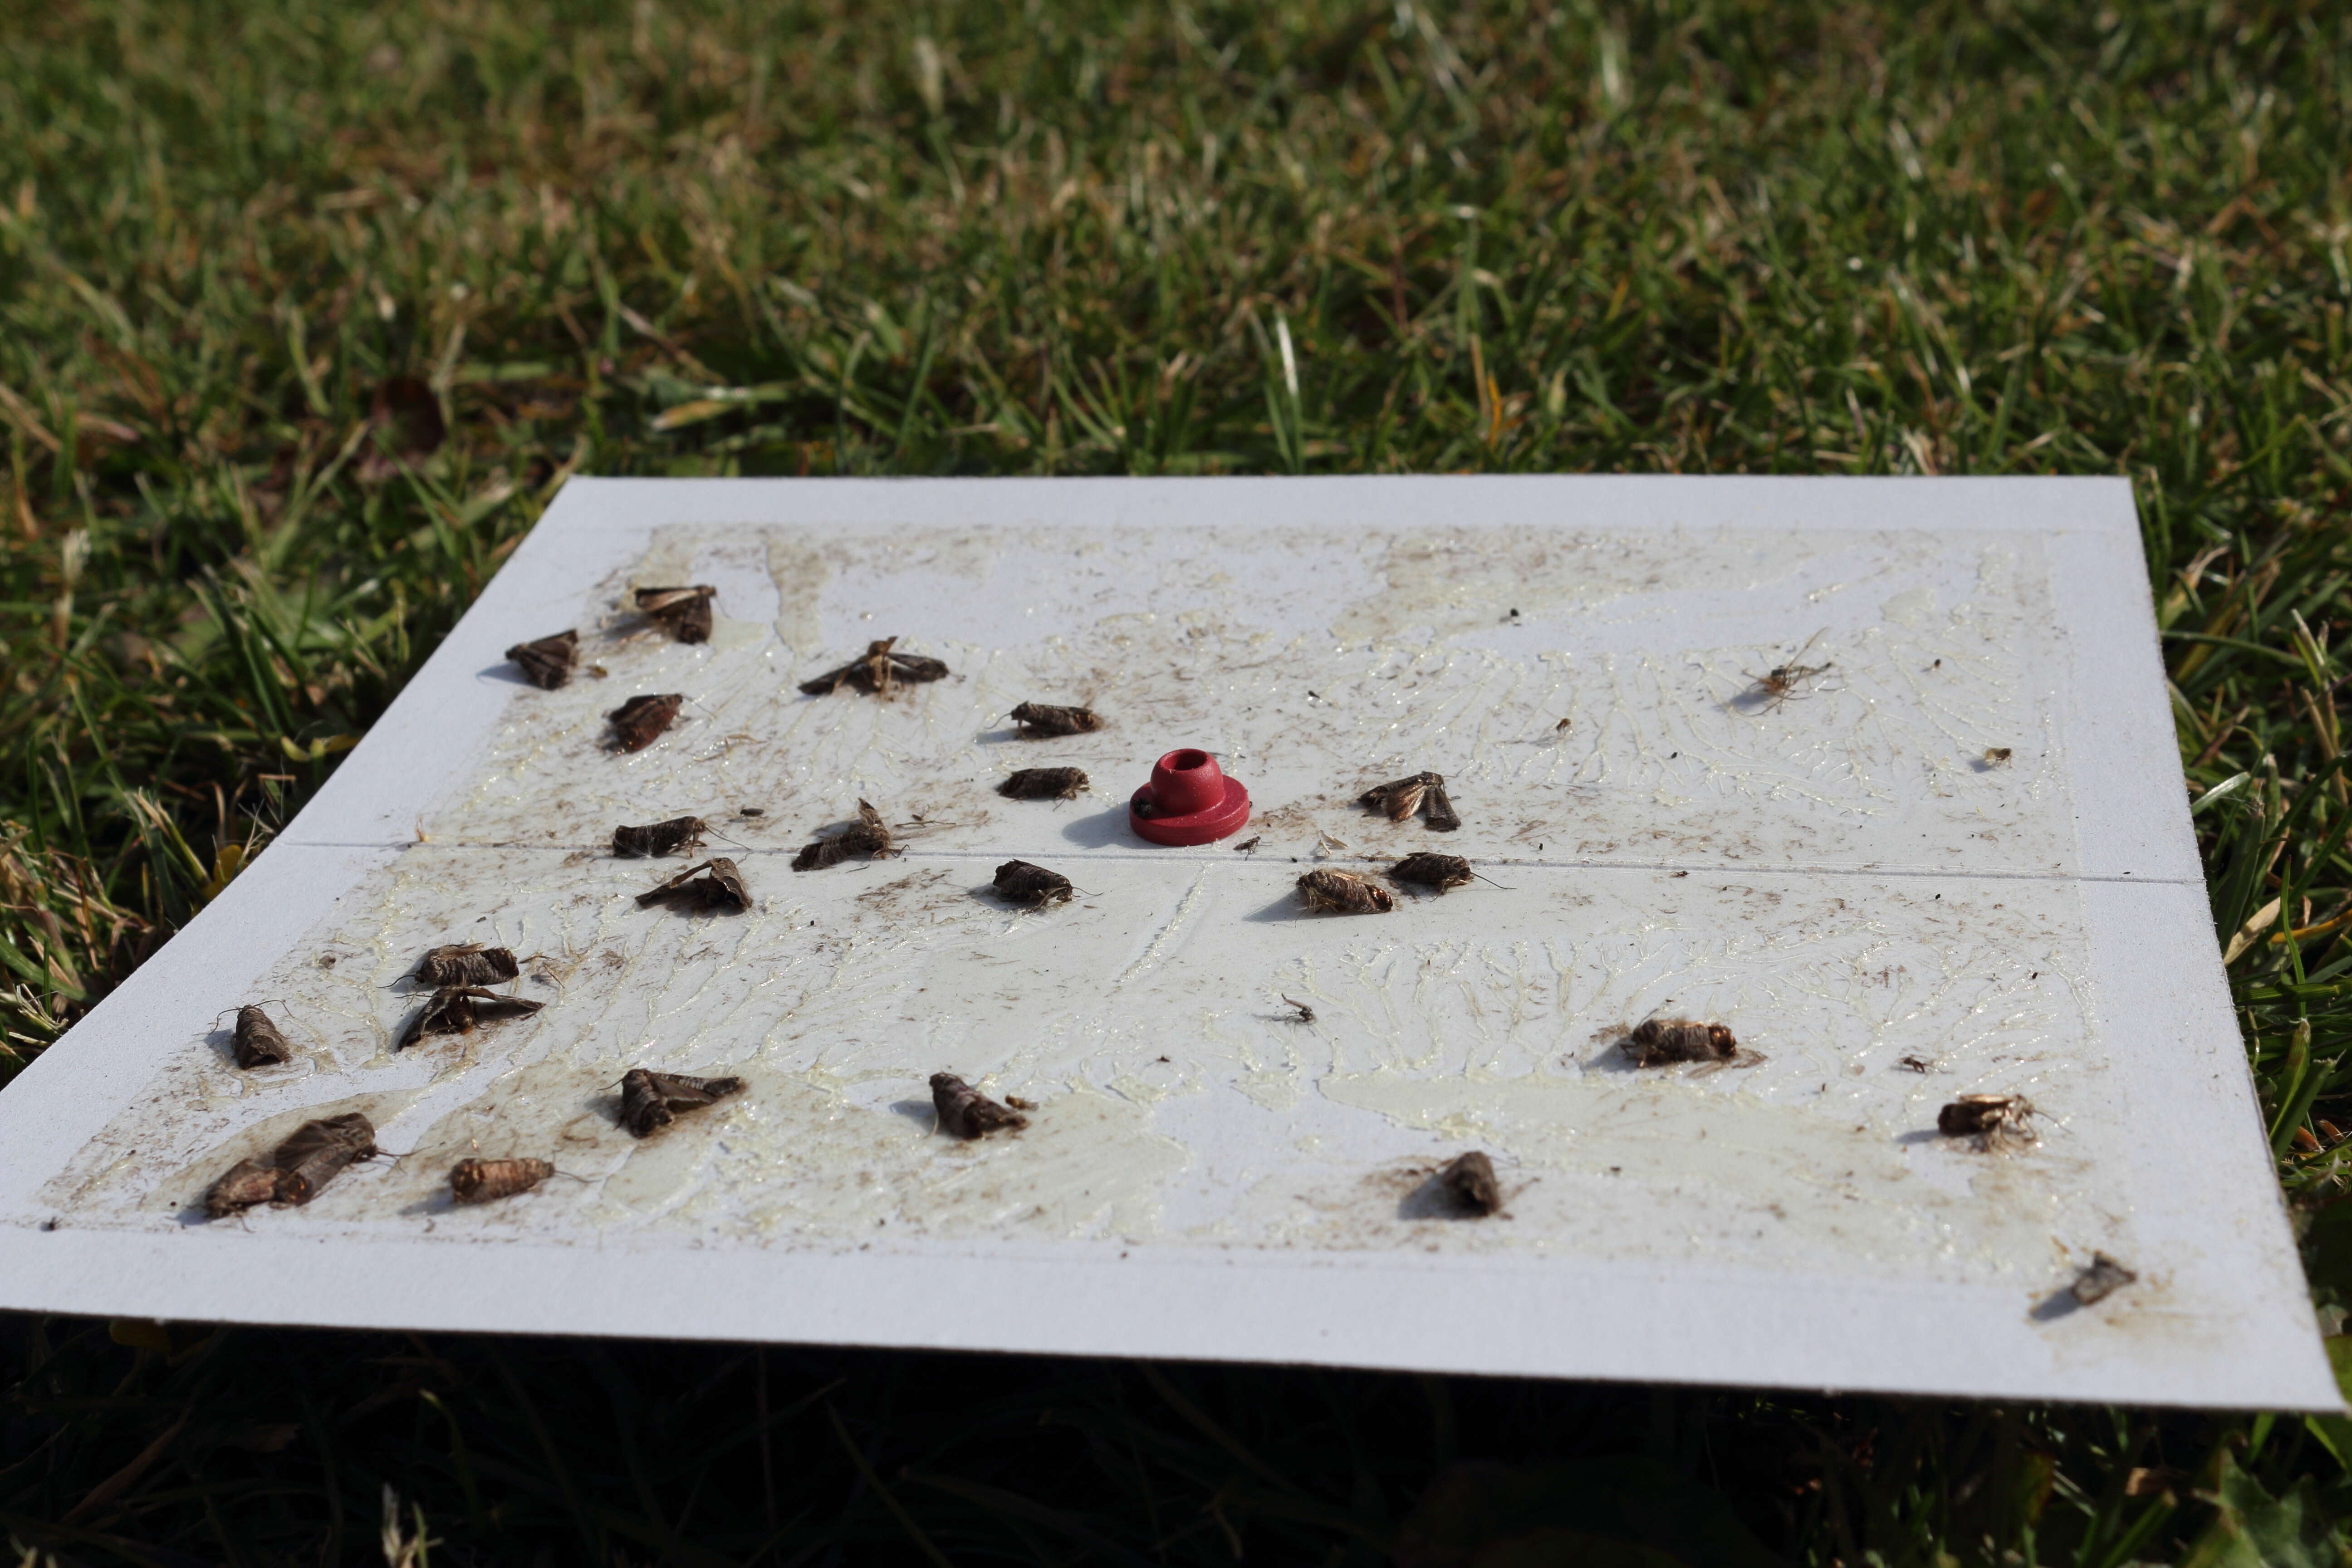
<point x="1469" y="1181"/>
<point x="1998" y="756"/>
<point x="880" y="671"/>
<point x="1044" y="783"/>
<point x="865" y="839"/>
<point x="1034" y="886"/>
<point x="1343" y="893"/>
<point x="1306" y="1014"/>
<point x="466" y="963"/>
<point x="1400" y="798"/>
<point x="651" y="1101"/>
<point x="1429" y="869"/>
<point x="1777" y="685"/>
<point x="547" y="662"/>
<point x="318" y="1152"/>
<point x="246" y="1184"/>
<point x="1562" y="725"/>
<point x="2101" y="1280"/>
<point x="965" y="1112"/>
<point x="462" y="1009"/>
<point x="684" y="613"/>
<point x="640" y="720"/>
<point x="1423" y="793"/>
<point x="256" y="1040"/>
<point x="487" y="1181"/>
<point x="1659" y="1042"/>
<point x="1994" y="1120"/>
<point x="1248" y="846"/>
<point x="1041" y="721"/>
<point x="753" y="811"/>
<point x="660" y="838"/>
<point x="722" y="889"/>
<point x="1917" y="1064"/>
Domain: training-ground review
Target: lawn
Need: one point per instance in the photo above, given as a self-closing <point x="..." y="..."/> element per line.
<point x="307" y="311"/>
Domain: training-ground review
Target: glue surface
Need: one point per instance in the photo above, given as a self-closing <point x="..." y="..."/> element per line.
<point x="1882" y="917"/>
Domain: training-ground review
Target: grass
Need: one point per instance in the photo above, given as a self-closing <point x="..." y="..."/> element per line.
<point x="305" y="311"/>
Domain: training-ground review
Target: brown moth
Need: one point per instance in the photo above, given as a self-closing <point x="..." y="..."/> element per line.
<point x="1429" y="869"/>
<point x="1034" y="886"/>
<point x="1469" y="1181"/>
<point x="965" y="1112"/>
<point x="487" y="1181"/>
<point x="462" y="1009"/>
<point x="466" y="963"/>
<point x="640" y="720"/>
<point x="1994" y="1120"/>
<point x="660" y="838"/>
<point x="864" y="839"/>
<point x="1996" y="756"/>
<point x="1437" y="810"/>
<point x="318" y="1152"/>
<point x="1423" y="793"/>
<point x="246" y="1184"/>
<point x="1041" y="721"/>
<point x="879" y="671"/>
<point x="651" y="1101"/>
<point x="1044" y="783"/>
<point x="1401" y="798"/>
<point x="1661" y="1042"/>
<point x="2101" y="1280"/>
<point x="684" y="613"/>
<point x="1344" y="893"/>
<point x="720" y="889"/>
<point x="547" y="662"/>
<point x="256" y="1040"/>
<point x="1779" y="683"/>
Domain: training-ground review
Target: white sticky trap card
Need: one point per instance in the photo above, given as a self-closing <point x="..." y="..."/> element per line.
<point x="1847" y="798"/>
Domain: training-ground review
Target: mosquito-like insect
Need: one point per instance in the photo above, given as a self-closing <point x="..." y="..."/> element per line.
<point x="1777" y="685"/>
<point x="965" y="1112"/>
<point x="1306" y="1014"/>
<point x="877" y="670"/>
<point x="547" y="662"/>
